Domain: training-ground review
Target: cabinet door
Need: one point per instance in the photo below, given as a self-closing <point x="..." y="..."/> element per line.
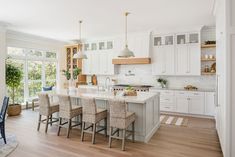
<point x="94" y="63"/>
<point x="182" y="61"/>
<point x="169" y="64"/>
<point x="182" y="104"/>
<point x="110" y="65"/>
<point x="196" y="104"/>
<point x="102" y="57"/>
<point x="158" y="65"/>
<point x="86" y="65"/>
<point x="210" y="103"/>
<point x="194" y="59"/>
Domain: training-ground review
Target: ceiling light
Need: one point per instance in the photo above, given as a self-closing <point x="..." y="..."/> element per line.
<point x="80" y="54"/>
<point x="125" y="53"/>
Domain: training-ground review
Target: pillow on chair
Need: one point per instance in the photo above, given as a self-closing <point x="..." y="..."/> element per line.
<point x="47" y="88"/>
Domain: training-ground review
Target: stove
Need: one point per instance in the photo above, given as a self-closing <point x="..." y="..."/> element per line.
<point x="138" y="88"/>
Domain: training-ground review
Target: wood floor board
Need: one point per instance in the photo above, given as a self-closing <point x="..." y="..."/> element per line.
<point x="198" y="139"/>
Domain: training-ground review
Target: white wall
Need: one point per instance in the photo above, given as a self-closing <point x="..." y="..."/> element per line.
<point x="2" y="61"/>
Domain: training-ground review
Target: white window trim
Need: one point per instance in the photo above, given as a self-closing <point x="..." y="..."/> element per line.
<point x="42" y="59"/>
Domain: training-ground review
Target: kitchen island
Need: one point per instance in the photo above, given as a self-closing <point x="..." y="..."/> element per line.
<point x="145" y="105"/>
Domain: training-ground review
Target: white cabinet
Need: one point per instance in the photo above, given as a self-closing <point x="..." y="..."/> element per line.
<point x="163" y="55"/>
<point x="105" y="63"/>
<point x="99" y="63"/>
<point x="196" y="103"/>
<point x="187" y="102"/>
<point x="178" y="54"/>
<point x="210" y="103"/>
<point x="181" y="102"/>
<point x="190" y="102"/>
<point x="182" y="61"/>
<point x="188" y="54"/>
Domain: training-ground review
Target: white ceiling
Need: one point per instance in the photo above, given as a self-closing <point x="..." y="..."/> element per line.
<point x="58" y="19"/>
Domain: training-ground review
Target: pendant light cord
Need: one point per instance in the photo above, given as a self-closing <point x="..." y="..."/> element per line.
<point x="126" y="14"/>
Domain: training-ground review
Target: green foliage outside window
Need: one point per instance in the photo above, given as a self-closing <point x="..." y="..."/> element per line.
<point x="13" y="79"/>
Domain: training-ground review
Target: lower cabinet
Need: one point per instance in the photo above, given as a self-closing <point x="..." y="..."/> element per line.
<point x="181" y="103"/>
<point x="196" y="103"/>
<point x="187" y="102"/>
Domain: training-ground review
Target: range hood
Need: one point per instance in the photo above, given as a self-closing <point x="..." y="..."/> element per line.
<point x="127" y="61"/>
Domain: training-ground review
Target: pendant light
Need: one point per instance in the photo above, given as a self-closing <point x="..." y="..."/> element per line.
<point x="125" y="53"/>
<point x="80" y="54"/>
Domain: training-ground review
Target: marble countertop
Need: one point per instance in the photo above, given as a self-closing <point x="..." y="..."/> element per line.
<point x="142" y="97"/>
<point x="181" y="89"/>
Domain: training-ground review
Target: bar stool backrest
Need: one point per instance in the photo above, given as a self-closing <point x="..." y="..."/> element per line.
<point x="44" y="101"/>
<point x="89" y="106"/>
<point x="65" y="103"/>
<point x="118" y="109"/>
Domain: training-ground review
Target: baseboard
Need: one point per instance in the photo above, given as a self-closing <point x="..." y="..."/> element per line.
<point x="188" y="115"/>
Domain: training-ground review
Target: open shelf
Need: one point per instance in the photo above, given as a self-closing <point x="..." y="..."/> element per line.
<point x="207" y="60"/>
<point x="121" y="61"/>
<point x="209" y="46"/>
<point x="208" y="73"/>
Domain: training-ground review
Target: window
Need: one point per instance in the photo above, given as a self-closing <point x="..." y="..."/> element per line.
<point x="39" y="68"/>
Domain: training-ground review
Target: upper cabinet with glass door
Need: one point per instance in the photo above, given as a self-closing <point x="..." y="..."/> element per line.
<point x="98" y="45"/>
<point x="187" y="38"/>
<point x="163" y="40"/>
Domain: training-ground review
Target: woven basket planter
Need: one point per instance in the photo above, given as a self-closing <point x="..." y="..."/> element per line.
<point x="14" y="110"/>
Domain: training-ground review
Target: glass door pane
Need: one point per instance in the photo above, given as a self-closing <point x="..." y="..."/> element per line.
<point x="181" y="39"/>
<point x="193" y="38"/>
<point x="157" y="41"/>
<point x="169" y="40"/>
<point x="34" y="70"/>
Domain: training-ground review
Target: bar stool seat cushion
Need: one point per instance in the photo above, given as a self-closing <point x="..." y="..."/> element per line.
<point x="122" y="123"/>
<point x="91" y="118"/>
<point x="54" y="107"/>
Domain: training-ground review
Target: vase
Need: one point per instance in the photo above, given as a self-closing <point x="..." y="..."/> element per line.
<point x="72" y="85"/>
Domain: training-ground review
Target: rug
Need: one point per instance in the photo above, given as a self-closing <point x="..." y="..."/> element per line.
<point x="174" y="120"/>
<point x="6" y="149"/>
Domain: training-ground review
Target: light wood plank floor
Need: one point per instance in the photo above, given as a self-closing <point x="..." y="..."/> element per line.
<point x="198" y="139"/>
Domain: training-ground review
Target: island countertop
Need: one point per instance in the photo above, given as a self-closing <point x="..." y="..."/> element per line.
<point x="142" y="97"/>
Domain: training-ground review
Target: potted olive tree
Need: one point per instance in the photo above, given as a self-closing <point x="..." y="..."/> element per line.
<point x="13" y="78"/>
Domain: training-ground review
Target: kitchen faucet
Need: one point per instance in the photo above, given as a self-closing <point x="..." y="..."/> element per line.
<point x="106" y="80"/>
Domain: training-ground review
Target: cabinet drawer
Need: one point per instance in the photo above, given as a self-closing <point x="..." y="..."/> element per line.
<point x="196" y="94"/>
<point x="167" y="107"/>
<point x="181" y="93"/>
<point x="167" y="99"/>
<point x="170" y="93"/>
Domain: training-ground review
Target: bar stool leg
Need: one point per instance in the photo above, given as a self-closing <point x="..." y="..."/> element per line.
<point x="133" y="132"/>
<point x="123" y="139"/>
<point x="105" y="123"/>
<point x="47" y="120"/>
<point x="93" y="134"/>
<point x="39" y="121"/>
<point x="110" y="136"/>
<point x="82" y="135"/>
<point x="58" y="133"/>
<point x="69" y="126"/>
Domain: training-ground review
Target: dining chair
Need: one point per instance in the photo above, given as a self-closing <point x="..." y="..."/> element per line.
<point x="2" y="117"/>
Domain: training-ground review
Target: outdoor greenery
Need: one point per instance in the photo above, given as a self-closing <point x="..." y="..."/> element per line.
<point x="38" y="69"/>
<point x="13" y="79"/>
